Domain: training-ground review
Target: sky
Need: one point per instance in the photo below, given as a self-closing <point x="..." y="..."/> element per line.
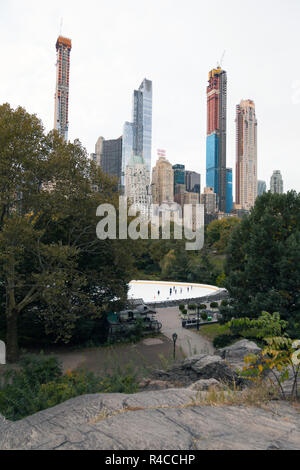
<point x="174" y="43"/>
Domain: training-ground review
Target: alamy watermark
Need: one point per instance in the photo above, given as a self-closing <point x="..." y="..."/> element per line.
<point x="152" y="221"/>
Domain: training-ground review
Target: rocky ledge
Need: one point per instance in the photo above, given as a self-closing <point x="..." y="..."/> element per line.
<point x="173" y="413"/>
<point x="163" y="420"/>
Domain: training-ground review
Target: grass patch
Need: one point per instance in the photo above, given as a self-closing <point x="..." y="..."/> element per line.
<point x="212" y="331"/>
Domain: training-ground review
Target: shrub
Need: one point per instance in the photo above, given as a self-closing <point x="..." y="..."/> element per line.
<point x="192" y="307"/>
<point x="214" y="305"/>
<point x="221" y="341"/>
<point x="202" y="306"/>
<point x="184" y="311"/>
<point x="224" y="303"/>
<point x="40" y="384"/>
<point x="181" y="307"/>
<point x="204" y="316"/>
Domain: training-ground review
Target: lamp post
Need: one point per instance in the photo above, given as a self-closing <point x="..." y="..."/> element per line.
<point x="198" y="317"/>
<point x="175" y="336"/>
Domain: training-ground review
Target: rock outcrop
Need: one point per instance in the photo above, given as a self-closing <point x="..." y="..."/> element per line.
<point x="239" y="350"/>
<point x="207" y="384"/>
<point x="164" y="420"/>
<point x="199" y="367"/>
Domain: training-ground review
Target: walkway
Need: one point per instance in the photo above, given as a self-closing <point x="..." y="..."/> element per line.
<point x="190" y="342"/>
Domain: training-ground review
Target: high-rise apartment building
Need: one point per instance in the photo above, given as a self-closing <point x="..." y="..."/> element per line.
<point x="276" y="184"/>
<point x="209" y="201"/>
<point x="261" y="187"/>
<point x="246" y="154"/>
<point x="216" y="135"/>
<point x="61" y="114"/>
<point x="179" y="176"/>
<point x="193" y="182"/>
<point x="162" y="182"/>
<point x="137" y="135"/>
<point x="137" y="184"/>
<point x="108" y="155"/>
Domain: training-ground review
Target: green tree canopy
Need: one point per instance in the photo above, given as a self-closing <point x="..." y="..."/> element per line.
<point x="51" y="260"/>
<point x="218" y="233"/>
<point x="263" y="261"/>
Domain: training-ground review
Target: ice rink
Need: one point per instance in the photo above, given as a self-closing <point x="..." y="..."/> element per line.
<point x="158" y="291"/>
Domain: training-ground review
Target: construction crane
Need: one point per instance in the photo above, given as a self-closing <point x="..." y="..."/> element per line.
<point x="221" y="60"/>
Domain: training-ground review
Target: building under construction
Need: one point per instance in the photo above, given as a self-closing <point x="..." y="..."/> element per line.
<point x="216" y="135"/>
<point x="61" y="116"/>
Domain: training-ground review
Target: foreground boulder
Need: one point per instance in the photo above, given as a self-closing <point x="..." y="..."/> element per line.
<point x="165" y="420"/>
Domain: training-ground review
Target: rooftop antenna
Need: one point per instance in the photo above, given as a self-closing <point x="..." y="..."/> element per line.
<point x="61" y="26"/>
<point x="221" y="60"/>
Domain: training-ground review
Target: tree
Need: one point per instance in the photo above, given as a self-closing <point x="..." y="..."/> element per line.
<point x="263" y="261"/>
<point x="51" y="261"/>
<point x="218" y="233"/>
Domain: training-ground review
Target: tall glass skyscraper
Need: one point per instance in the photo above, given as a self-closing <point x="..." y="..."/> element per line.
<point x="216" y="135"/>
<point x="137" y="136"/>
<point x="179" y="176"/>
<point x="261" y="187"/>
<point x="229" y="194"/>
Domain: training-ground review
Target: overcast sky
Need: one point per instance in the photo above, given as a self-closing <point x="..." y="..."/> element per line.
<point x="174" y="43"/>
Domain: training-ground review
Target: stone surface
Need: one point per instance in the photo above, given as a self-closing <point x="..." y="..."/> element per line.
<point x="202" y="366"/>
<point x="148" y="384"/>
<point x="239" y="350"/>
<point x="207" y="384"/>
<point x="165" y="420"/>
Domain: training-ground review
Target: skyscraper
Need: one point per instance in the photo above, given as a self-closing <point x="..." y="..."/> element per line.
<point x="229" y="195"/>
<point x="261" y="187"/>
<point x="193" y="182"/>
<point x="216" y="135"/>
<point x="162" y="182"/>
<point x="179" y="176"/>
<point x="246" y="154"/>
<point x="137" y="184"/>
<point x="137" y="136"/>
<point x="111" y="157"/>
<point x="61" y="115"/>
<point x="276" y="185"/>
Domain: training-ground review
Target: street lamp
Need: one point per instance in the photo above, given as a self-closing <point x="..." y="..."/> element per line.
<point x="175" y="337"/>
<point x="198" y="317"/>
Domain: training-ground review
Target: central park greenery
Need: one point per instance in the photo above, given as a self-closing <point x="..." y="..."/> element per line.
<point x="58" y="280"/>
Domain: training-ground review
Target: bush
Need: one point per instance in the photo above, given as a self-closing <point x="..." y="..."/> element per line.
<point x="224" y="303"/>
<point x="222" y="341"/>
<point x="40" y="384"/>
<point x="214" y="305"/>
<point x="181" y="307"/>
<point x="202" y="306"/>
<point x="192" y="307"/>
<point x="204" y="316"/>
<point x="184" y="311"/>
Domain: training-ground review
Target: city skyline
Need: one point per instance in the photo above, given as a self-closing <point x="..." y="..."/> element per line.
<point x="100" y="104"/>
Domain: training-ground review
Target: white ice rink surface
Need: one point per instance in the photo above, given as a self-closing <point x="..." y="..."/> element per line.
<point x="148" y="290"/>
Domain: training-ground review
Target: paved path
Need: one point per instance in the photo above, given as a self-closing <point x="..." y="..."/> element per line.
<point x="190" y="342"/>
